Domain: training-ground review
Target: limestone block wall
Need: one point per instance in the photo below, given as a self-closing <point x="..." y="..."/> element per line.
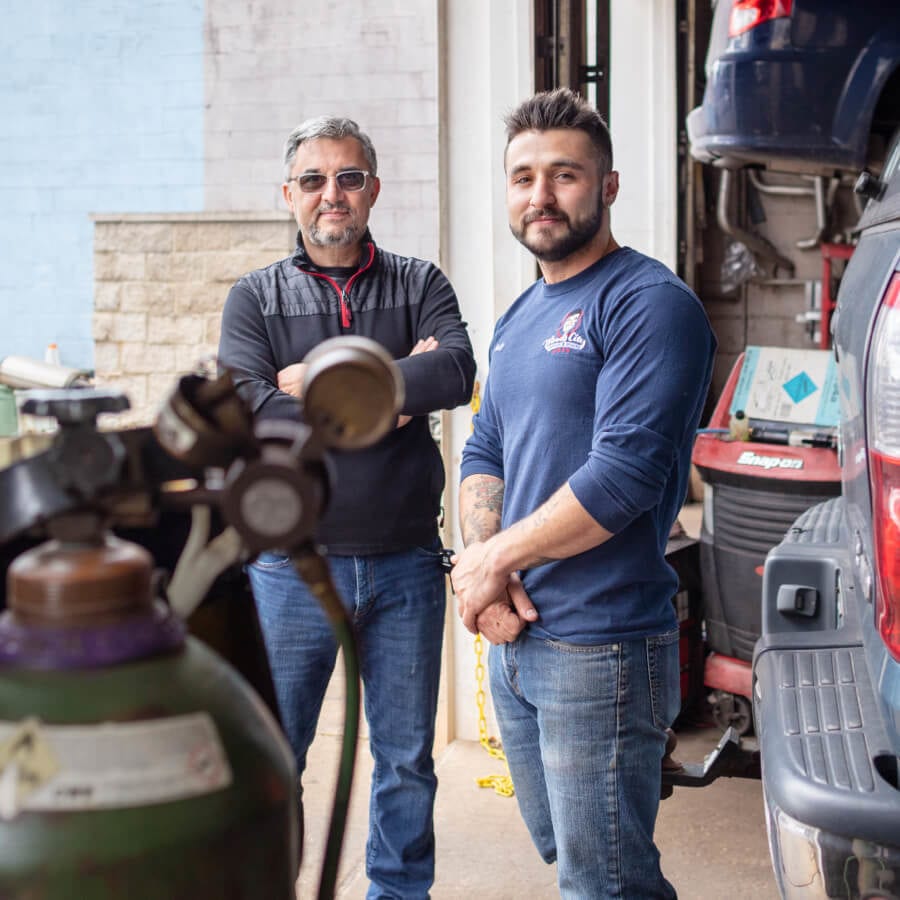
<point x="160" y="282"/>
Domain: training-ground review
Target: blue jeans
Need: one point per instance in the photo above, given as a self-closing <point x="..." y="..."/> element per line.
<point x="397" y="602"/>
<point x="583" y="729"/>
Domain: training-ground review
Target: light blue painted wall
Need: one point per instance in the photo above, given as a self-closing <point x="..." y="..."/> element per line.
<point x="102" y="111"/>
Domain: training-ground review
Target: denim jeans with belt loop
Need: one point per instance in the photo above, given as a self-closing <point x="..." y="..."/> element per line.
<point x="583" y="729"/>
<point x="397" y="602"/>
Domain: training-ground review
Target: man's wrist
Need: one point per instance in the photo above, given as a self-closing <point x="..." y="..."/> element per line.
<point x="510" y="551"/>
<point x="498" y="559"/>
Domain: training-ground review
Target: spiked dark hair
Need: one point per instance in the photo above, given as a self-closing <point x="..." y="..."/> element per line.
<point x="561" y="108"/>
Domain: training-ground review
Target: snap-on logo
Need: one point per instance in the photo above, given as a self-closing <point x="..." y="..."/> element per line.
<point x="749" y="458"/>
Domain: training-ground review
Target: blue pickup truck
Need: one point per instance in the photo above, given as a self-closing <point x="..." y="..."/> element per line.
<point x="826" y="669"/>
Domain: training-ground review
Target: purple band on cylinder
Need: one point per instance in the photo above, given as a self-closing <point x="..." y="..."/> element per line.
<point x="89" y="647"/>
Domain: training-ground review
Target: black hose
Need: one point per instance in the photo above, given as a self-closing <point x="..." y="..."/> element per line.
<point x="313" y="569"/>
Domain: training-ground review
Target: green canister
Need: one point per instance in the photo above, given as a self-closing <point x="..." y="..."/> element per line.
<point x="134" y="762"/>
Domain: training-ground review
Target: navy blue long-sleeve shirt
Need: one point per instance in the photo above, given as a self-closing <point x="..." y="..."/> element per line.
<point x="598" y="381"/>
<point x="386" y="497"/>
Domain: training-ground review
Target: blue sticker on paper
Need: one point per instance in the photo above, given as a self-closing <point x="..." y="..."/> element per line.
<point x="800" y="387"/>
<point x="830" y="405"/>
<point x="782" y="384"/>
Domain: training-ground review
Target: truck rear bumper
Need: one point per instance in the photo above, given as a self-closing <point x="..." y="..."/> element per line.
<point x="830" y="775"/>
<point x="819" y="746"/>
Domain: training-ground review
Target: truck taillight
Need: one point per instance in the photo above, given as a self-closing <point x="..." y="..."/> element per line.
<point x="884" y="462"/>
<point x="747" y="14"/>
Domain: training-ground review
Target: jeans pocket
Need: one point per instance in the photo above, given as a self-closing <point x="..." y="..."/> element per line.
<point x="268" y="561"/>
<point x="665" y="677"/>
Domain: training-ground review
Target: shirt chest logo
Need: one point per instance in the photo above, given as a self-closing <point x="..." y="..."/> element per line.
<point x="566" y="338"/>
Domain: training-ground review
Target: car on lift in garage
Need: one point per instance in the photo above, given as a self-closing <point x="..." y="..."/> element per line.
<point x="809" y="86"/>
<point x="826" y="669"/>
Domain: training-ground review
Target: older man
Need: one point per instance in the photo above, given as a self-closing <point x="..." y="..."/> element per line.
<point x="381" y="528"/>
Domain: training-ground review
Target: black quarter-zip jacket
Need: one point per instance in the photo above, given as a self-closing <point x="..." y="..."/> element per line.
<point x="386" y="497"/>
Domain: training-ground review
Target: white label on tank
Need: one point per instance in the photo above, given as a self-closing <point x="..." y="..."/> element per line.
<point x="55" y="768"/>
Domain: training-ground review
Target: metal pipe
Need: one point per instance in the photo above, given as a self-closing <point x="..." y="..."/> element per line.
<point x="817" y="192"/>
<point x="821" y="216"/>
<point x="780" y="190"/>
<point x="757" y="244"/>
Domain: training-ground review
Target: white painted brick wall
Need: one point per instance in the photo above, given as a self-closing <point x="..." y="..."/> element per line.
<point x="270" y="66"/>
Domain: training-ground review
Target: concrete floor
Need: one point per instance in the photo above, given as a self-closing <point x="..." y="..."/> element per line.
<point x="712" y="840"/>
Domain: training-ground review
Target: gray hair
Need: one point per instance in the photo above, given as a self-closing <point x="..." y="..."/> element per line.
<point x="327" y="127"/>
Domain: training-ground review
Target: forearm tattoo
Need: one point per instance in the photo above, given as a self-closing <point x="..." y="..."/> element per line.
<point x="530" y="525"/>
<point x="537" y="522"/>
<point x="482" y="508"/>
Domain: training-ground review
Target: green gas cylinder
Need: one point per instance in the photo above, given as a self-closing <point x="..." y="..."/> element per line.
<point x="134" y="762"/>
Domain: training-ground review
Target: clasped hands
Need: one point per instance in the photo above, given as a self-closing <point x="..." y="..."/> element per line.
<point x="489" y="602"/>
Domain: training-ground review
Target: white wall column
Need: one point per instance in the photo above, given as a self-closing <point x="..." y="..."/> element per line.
<point x="642" y="111"/>
<point x="487" y="58"/>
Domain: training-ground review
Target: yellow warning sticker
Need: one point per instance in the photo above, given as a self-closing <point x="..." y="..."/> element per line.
<point x="27" y="763"/>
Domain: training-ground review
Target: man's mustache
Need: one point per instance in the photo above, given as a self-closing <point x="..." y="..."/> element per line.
<point x="333" y="207"/>
<point x="544" y="214"/>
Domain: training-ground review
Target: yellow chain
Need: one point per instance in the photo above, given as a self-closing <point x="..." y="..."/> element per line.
<point x="502" y="784"/>
<point x="475" y="402"/>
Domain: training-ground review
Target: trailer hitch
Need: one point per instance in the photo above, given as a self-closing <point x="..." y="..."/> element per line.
<point x="730" y="759"/>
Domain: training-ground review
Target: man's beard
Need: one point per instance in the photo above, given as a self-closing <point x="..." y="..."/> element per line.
<point x="578" y="235"/>
<point x="322" y="238"/>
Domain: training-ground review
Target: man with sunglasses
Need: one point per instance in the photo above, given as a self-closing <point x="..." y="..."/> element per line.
<point x="380" y="531"/>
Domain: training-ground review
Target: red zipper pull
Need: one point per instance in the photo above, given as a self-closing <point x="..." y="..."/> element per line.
<point x="345" y="312"/>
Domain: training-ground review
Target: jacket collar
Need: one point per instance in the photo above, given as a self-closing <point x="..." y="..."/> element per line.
<point x="301" y="257"/>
